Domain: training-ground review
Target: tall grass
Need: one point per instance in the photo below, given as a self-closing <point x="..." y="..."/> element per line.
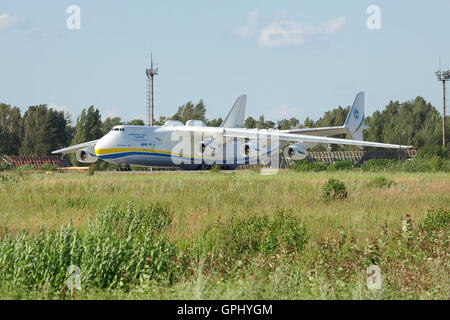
<point x="121" y="247"/>
<point x="223" y="235"/>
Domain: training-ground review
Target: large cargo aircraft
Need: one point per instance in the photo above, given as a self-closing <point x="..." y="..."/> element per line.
<point x="196" y="146"/>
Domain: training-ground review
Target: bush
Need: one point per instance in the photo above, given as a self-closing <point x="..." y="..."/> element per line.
<point x="381" y="182"/>
<point x="48" y="167"/>
<point x="334" y="189"/>
<point x="414" y="165"/>
<point x="25" y="167"/>
<point x="304" y="165"/>
<point x="375" y="165"/>
<point x="431" y="150"/>
<point x="8" y="178"/>
<point x="101" y="165"/>
<point x="245" y="235"/>
<point x="91" y="170"/>
<point x="341" y="165"/>
<point x="4" y="166"/>
<point x="436" y="220"/>
<point x="215" y="168"/>
<point x="436" y="163"/>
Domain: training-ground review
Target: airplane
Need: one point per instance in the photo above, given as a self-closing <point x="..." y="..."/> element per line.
<point x="196" y="146"/>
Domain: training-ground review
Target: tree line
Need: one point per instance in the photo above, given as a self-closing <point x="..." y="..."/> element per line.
<point x="41" y="129"/>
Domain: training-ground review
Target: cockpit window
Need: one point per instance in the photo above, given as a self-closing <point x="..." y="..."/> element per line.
<point x="117" y="129"/>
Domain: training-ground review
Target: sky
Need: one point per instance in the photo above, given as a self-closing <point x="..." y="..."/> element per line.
<point x="292" y="58"/>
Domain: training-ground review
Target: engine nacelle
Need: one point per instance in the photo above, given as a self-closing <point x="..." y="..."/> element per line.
<point x="207" y="148"/>
<point x="295" y="152"/>
<point x="252" y="149"/>
<point x="86" y="156"/>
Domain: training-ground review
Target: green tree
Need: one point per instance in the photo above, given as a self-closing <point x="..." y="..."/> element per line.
<point x="109" y="123"/>
<point x="334" y="117"/>
<point x="293" y="122"/>
<point x="189" y="111"/>
<point x="214" y="122"/>
<point x="250" y="123"/>
<point x="136" y="122"/>
<point x="11" y="129"/>
<point x="283" y="124"/>
<point x="88" y="126"/>
<point x="415" y="122"/>
<point x="308" y="123"/>
<point x="45" y="130"/>
<point x="161" y="121"/>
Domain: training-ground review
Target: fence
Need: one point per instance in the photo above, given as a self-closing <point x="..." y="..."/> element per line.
<point x="35" y="161"/>
<point x="357" y="157"/>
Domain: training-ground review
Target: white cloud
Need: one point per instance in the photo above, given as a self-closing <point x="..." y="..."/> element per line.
<point x="334" y="25"/>
<point x="251" y="26"/>
<point x="291" y="33"/>
<point x="285" y="32"/>
<point x="283" y="112"/>
<point x="9" y="21"/>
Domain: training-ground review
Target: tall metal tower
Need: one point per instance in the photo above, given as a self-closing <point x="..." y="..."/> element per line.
<point x="443" y="76"/>
<point x="150" y="73"/>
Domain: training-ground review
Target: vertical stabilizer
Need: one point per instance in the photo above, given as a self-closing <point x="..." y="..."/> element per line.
<point x="355" y="118"/>
<point x="235" y="118"/>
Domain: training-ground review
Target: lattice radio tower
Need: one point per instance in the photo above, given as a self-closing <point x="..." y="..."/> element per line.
<point x="150" y="73"/>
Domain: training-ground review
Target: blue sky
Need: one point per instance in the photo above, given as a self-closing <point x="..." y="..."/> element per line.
<point x="292" y="58"/>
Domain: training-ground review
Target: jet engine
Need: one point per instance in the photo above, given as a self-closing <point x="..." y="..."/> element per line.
<point x="295" y="152"/>
<point x="86" y="156"/>
<point x="208" y="147"/>
<point x="253" y="149"/>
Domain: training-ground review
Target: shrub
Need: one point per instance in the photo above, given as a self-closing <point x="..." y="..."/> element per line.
<point x="25" y="167"/>
<point x="341" y="165"/>
<point x="436" y="163"/>
<point x="4" y="166"/>
<point x="436" y="220"/>
<point x="101" y="165"/>
<point x="381" y="182"/>
<point x="91" y="170"/>
<point x="8" y="178"/>
<point x="215" y="168"/>
<point x="245" y="235"/>
<point x="304" y="165"/>
<point x="334" y="189"/>
<point x="377" y="165"/>
<point x="48" y="167"/>
<point x="431" y="150"/>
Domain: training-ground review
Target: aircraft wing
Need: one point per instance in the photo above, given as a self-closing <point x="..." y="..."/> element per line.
<point x="324" y="131"/>
<point x="289" y="137"/>
<point x="284" y="137"/>
<point x="76" y="147"/>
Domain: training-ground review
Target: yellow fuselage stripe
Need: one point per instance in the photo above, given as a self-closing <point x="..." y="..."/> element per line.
<point x="100" y="152"/>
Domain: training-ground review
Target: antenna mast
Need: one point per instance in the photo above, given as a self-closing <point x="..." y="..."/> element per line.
<point x="443" y="76"/>
<point x="150" y="73"/>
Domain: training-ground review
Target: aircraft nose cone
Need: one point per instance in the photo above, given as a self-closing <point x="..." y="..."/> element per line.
<point x="101" y="146"/>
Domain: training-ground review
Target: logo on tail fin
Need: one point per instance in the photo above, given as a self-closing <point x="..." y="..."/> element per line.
<point x="356" y="114"/>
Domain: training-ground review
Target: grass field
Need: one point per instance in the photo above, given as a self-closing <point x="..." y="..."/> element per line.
<point x="225" y="235"/>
